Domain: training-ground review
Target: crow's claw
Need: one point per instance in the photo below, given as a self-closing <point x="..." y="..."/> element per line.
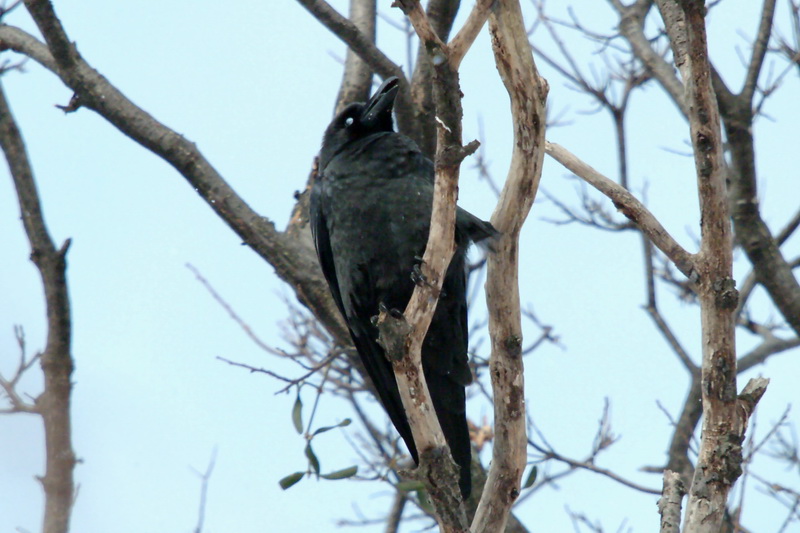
<point x="417" y="276"/>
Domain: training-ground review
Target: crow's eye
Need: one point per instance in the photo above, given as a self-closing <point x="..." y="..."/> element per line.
<point x="348" y="121"/>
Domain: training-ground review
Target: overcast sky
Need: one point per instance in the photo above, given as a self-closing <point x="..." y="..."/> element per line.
<point x="253" y="84"/>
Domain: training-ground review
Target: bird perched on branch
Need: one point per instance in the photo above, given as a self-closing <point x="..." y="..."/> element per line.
<point x="370" y="214"/>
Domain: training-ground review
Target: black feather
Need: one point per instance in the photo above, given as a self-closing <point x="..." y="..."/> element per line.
<point x="370" y="217"/>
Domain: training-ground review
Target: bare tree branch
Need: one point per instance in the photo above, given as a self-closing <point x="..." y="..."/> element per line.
<point x="770" y="267"/>
<point x="357" y="77"/>
<point x="720" y="457"/>
<point x="669" y="505"/>
<point x="675" y="26"/>
<point x="759" y="50"/>
<point x="440" y="15"/>
<point x="591" y="467"/>
<point x="9" y="386"/>
<point x="630" y="207"/>
<point x="57" y="365"/>
<point x="205" y="478"/>
<point x="463" y="40"/>
<point x="671" y="339"/>
<point x="353" y="37"/>
<point x="396" y="512"/>
<point x="365" y="48"/>
<point x="679" y="446"/>
<point x="767" y="348"/>
<point x="752" y="233"/>
<point x="403" y="339"/>
<point x="632" y="28"/>
<point x="12" y="38"/>
<point x="528" y="94"/>
<point x="293" y="259"/>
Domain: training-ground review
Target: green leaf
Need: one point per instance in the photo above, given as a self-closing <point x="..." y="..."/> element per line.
<point x="291" y="479"/>
<point x="297" y="414"/>
<point x="425" y="501"/>
<point x="531" y="479"/>
<point x="341" y="474"/>
<point x="343" y="423"/>
<point x="312" y="458"/>
<point x="410" y="485"/>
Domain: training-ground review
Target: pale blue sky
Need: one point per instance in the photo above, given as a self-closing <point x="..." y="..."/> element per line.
<point x="253" y="84"/>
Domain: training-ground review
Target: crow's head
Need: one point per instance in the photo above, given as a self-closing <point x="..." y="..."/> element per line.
<point x="360" y="120"/>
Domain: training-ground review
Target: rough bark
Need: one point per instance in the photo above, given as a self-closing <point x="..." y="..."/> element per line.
<point x="720" y="456"/>
<point x="528" y="93"/>
<point x="669" y="505"/>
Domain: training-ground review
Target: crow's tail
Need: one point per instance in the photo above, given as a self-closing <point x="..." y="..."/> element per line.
<point x="449" y="400"/>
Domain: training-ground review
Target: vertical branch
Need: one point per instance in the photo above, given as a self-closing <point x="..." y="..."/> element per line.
<point x="440" y="14"/>
<point x="675" y="25"/>
<point x="669" y="505"/>
<point x="357" y="77"/>
<point x="528" y="93"/>
<point x="770" y="267"/>
<point x="403" y="341"/>
<point x="719" y="463"/>
<point x="57" y="365"/>
<point x="720" y="455"/>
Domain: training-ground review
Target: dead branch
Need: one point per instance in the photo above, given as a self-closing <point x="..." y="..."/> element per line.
<point x="357" y="76"/>
<point x="528" y="94"/>
<point x="720" y="457"/>
<point x="669" y="505"/>
<point x="631" y="26"/>
<point x="403" y="338"/>
<point x="294" y="260"/>
<point x="57" y="365"/>
<point x="629" y="206"/>
<point x="353" y="37"/>
<point x="463" y="40"/>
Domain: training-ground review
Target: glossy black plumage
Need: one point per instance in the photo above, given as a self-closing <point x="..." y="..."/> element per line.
<point x="370" y="214"/>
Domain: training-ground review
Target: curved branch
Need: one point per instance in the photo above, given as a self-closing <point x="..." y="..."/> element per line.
<point x="629" y="206"/>
<point x="463" y="40"/>
<point x="528" y="94"/>
<point x="354" y="38"/>
<point x="294" y="260"/>
<point x="366" y="49"/>
<point x="631" y="26"/>
<point x="12" y="38"/>
<point x="403" y="340"/>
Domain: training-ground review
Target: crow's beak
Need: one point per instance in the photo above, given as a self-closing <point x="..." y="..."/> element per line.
<point x="377" y="113"/>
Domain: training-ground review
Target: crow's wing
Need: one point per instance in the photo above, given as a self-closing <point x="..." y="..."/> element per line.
<point x="361" y="306"/>
<point x="446" y="365"/>
<point x="322" y="242"/>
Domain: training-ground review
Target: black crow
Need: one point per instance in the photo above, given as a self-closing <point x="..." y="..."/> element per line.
<point x="370" y="213"/>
